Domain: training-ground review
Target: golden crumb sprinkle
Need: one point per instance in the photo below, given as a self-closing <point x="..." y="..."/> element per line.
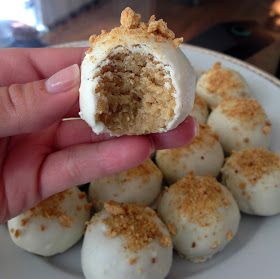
<point x="178" y="41"/>
<point x="65" y="220"/>
<point x="242" y="186"/>
<point x="129" y="18"/>
<point x="198" y="197"/>
<point x="144" y="170"/>
<point x="12" y="230"/>
<point x="171" y="228"/>
<point x="51" y="209"/>
<point x="17" y="233"/>
<point x="160" y="27"/>
<point x="82" y="196"/>
<point x="253" y="163"/>
<point x="206" y="138"/>
<point x="24" y="222"/>
<point x="42" y="228"/>
<point x="131" y="24"/>
<point x="136" y="224"/>
<point x="229" y="235"/>
<point x="132" y="261"/>
<point x="267" y="128"/>
<point x="222" y="81"/>
<point x="244" y="110"/>
<point x="200" y="103"/>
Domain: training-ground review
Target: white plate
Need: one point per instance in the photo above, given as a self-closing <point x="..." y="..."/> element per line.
<point x="254" y="253"/>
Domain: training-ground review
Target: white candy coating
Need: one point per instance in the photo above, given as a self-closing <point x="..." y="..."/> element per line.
<point x="137" y="41"/>
<point x="219" y="83"/>
<point x="240" y="123"/>
<point x="253" y="177"/>
<point x="108" y="257"/>
<point x="204" y="156"/>
<point x="139" y="185"/>
<point x="206" y="216"/>
<point x="53" y="226"/>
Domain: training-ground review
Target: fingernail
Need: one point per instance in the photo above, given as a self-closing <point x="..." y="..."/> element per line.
<point x="64" y="80"/>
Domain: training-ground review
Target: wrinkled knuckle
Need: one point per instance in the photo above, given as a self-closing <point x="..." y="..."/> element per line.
<point x="14" y="106"/>
<point x="72" y="167"/>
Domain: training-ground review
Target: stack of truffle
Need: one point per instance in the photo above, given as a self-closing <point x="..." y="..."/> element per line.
<point x="193" y="212"/>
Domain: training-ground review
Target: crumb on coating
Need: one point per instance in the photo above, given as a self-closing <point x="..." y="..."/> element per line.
<point x="135" y="223"/>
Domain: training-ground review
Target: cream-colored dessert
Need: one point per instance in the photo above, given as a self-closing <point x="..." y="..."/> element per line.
<point x="202" y="215"/>
<point x="135" y="79"/>
<point x="200" y="110"/>
<point x="54" y="225"/>
<point x="204" y="156"/>
<point x="240" y="123"/>
<point x="139" y="185"/>
<point x="253" y="177"/>
<point x="219" y="83"/>
<point x="126" y="241"/>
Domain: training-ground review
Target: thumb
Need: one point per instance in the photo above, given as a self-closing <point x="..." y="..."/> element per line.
<point x="25" y="108"/>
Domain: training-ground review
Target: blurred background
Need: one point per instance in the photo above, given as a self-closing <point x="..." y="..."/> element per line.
<point x="247" y="29"/>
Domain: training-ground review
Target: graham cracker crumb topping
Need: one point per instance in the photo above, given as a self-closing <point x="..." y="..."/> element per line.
<point x="51" y="209"/>
<point x="199" y="198"/>
<point x="221" y="81"/>
<point x="136" y="224"/>
<point x="129" y="18"/>
<point x="253" y="163"/>
<point x="131" y="22"/>
<point x="248" y="110"/>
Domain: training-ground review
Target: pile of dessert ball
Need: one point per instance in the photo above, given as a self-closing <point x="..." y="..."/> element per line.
<point x="188" y="198"/>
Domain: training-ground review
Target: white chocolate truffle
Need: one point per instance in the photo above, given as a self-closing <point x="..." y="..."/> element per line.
<point x="203" y="214"/>
<point x="126" y="241"/>
<point x="240" y="124"/>
<point x="200" y="110"/>
<point x="139" y="185"/>
<point x="219" y="83"/>
<point x="253" y="177"/>
<point x="204" y="156"/>
<point x="54" y="225"/>
<point x="135" y="79"/>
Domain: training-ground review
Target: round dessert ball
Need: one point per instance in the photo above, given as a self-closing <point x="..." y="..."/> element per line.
<point x="253" y="177"/>
<point x="203" y="215"/>
<point x="204" y="156"/>
<point x="135" y="79"/>
<point x="139" y="185"/>
<point x="218" y="83"/>
<point x="126" y="241"/>
<point x="54" y="225"/>
<point x="200" y="110"/>
<point x="240" y="124"/>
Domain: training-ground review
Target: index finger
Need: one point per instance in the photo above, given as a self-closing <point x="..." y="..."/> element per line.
<point x="29" y="64"/>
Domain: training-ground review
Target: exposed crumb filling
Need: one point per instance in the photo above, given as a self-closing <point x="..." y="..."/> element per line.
<point x="134" y="91"/>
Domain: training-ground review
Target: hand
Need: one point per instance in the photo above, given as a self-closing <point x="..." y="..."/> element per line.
<point x="40" y="154"/>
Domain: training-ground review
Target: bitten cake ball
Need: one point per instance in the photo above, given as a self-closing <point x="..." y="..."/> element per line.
<point x="240" y="123"/>
<point x="203" y="216"/>
<point x="204" y="156"/>
<point x="126" y="241"/>
<point x="219" y="83"/>
<point x="139" y="185"/>
<point x="54" y="225"/>
<point x="135" y="79"/>
<point x="200" y="110"/>
<point x="253" y="177"/>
